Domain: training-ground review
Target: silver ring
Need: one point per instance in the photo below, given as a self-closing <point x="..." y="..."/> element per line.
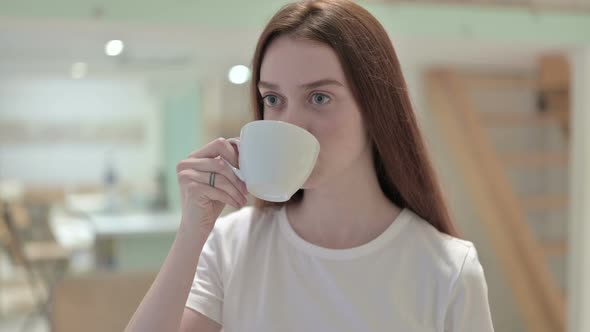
<point x="212" y="179"/>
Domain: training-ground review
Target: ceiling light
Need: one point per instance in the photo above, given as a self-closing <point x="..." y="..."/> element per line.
<point x="114" y="47"/>
<point x="239" y="74"/>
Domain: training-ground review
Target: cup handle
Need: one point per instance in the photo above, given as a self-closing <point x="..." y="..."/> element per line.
<point x="237" y="172"/>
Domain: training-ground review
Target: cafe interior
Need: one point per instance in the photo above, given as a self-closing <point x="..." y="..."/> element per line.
<point x="99" y="101"/>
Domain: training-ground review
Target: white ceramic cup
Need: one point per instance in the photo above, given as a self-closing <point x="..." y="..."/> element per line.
<point x="276" y="158"/>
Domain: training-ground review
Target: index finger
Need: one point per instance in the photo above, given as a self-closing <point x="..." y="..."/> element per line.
<point x="219" y="147"/>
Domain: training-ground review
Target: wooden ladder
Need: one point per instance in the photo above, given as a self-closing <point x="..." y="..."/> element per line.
<point x="503" y="211"/>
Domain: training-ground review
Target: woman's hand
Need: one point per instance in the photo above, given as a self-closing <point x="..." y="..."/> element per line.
<point x="202" y="203"/>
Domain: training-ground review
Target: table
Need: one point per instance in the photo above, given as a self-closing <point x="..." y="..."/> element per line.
<point x="138" y="240"/>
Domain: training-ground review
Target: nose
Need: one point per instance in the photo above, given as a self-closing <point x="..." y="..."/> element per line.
<point x="296" y="116"/>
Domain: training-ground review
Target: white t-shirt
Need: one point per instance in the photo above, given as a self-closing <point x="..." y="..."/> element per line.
<point x="256" y="273"/>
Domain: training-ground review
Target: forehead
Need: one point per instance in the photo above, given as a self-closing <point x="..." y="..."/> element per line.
<point x="290" y="61"/>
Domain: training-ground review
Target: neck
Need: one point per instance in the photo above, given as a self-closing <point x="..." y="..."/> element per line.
<point x="348" y="210"/>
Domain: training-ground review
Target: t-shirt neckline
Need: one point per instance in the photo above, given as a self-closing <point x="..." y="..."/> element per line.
<point x="343" y="254"/>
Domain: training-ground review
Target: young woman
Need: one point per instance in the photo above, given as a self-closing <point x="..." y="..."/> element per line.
<point x="366" y="245"/>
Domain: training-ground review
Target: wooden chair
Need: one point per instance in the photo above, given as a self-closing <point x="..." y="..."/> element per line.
<point x="44" y="262"/>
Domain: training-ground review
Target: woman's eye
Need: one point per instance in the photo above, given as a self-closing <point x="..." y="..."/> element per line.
<point x="271" y="100"/>
<point x="319" y="99"/>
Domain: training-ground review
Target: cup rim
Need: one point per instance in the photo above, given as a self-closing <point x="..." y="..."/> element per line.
<point x="282" y="123"/>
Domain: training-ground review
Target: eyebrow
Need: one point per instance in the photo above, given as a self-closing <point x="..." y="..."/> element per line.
<point x="311" y="85"/>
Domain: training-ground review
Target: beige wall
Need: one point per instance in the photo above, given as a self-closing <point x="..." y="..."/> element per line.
<point x="579" y="271"/>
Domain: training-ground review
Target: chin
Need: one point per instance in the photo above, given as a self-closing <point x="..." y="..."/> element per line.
<point x="311" y="181"/>
<point x="309" y="184"/>
<point x="315" y="179"/>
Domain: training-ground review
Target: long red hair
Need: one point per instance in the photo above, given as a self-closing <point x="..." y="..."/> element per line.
<point x="372" y="69"/>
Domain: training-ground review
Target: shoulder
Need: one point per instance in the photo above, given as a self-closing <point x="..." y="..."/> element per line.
<point x="447" y="254"/>
<point x="236" y="235"/>
<point x="451" y="264"/>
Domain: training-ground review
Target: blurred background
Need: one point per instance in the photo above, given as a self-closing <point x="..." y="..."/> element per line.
<point x="99" y="100"/>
